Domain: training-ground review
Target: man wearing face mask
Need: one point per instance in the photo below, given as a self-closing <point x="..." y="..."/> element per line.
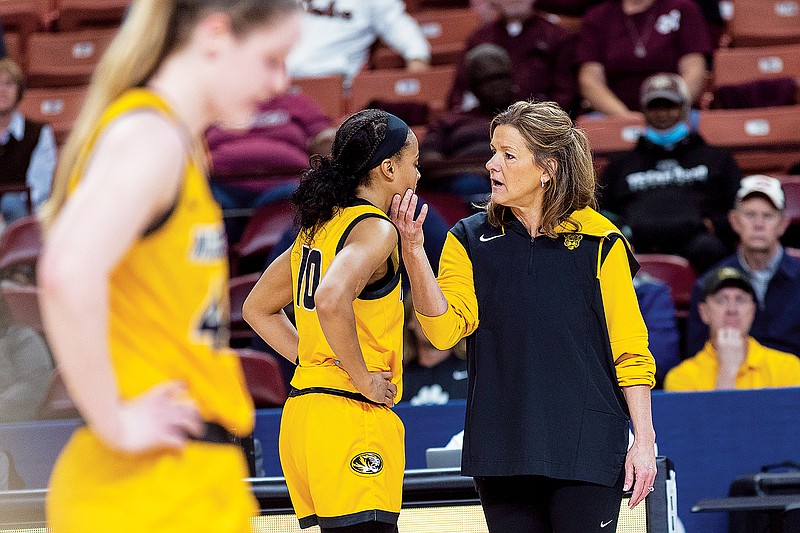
<point x="672" y="188"/>
<point x="542" y="56"/>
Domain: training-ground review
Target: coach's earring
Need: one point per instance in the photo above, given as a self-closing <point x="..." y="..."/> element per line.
<point x="543" y="181"/>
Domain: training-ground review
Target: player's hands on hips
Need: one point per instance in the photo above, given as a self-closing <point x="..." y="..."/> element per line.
<point x="379" y="388"/>
<point x="402" y="214"/>
<point x="161" y="417"/>
<point x="640" y="471"/>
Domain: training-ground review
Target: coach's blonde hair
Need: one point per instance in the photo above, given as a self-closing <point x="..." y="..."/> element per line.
<point x="153" y="29"/>
<point x="562" y="150"/>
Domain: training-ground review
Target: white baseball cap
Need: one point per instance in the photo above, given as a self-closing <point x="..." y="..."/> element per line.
<point x="766" y="185"/>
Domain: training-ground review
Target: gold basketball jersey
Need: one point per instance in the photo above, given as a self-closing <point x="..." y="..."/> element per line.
<point x="168" y="296"/>
<point x="378" y="309"/>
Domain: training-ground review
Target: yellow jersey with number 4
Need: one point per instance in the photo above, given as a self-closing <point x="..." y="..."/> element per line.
<point x="168" y="295"/>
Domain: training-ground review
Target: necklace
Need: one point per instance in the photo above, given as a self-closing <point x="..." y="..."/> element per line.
<point x="640" y="40"/>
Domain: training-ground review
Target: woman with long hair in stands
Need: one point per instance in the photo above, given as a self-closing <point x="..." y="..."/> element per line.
<point x="341" y="447"/>
<point x="134" y="271"/>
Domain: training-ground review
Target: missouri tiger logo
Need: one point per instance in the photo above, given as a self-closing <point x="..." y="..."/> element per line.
<point x="366" y="463"/>
<point x="572" y="240"/>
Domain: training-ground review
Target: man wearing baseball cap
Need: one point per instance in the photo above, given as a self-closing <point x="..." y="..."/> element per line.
<point x="759" y="221"/>
<point x="672" y="189"/>
<point x="731" y="358"/>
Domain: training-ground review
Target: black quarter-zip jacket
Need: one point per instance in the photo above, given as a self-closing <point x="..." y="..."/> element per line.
<point x="545" y="392"/>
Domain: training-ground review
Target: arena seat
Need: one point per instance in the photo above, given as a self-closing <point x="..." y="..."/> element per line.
<point x="264" y="378"/>
<point x="791" y="190"/>
<point x="326" y="91"/>
<point x="608" y="135"/>
<point x="25" y="16"/>
<point x="451" y="206"/>
<point x="74" y="14"/>
<point x="430" y="87"/>
<point x="23" y="304"/>
<point x="239" y="287"/>
<point x="263" y="231"/>
<point x="14" y="49"/>
<point x="763" y="140"/>
<point x="65" y="58"/>
<point x="764" y="22"/>
<point x="446" y="30"/>
<point x="737" y="65"/>
<point x="57" y="106"/>
<point x="676" y="272"/>
<point x="20" y="243"/>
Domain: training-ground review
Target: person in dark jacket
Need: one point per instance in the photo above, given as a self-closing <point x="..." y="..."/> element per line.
<point x="458" y="139"/>
<point x="672" y="188"/>
<point x="27" y="148"/>
<point x="541" y="286"/>
<point x="760" y="222"/>
<point x="541" y="52"/>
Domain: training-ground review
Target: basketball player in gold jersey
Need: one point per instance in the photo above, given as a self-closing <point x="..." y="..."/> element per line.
<point x="134" y="272"/>
<point x="341" y="447"/>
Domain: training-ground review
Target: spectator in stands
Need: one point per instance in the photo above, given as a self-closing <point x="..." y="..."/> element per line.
<point x="731" y="358"/>
<point x="278" y="143"/>
<point x="487" y="9"/>
<point x="27" y="148"/>
<point x="542" y="56"/>
<point x="25" y="369"/>
<point x="430" y="376"/>
<point x="772" y="92"/>
<point x="672" y="188"/>
<point x="338" y="34"/>
<point x="759" y="221"/>
<point x="460" y="137"/>
<point x="261" y="164"/>
<point x="622" y="42"/>
<point x="247" y="164"/>
<point x="134" y="273"/>
<point x="658" y="312"/>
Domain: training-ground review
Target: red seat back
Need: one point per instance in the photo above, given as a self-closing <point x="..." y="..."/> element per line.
<point x="673" y="270"/>
<point x="240" y="287"/>
<point x="20" y="242"/>
<point x="264" y="230"/>
<point x="264" y="378"/>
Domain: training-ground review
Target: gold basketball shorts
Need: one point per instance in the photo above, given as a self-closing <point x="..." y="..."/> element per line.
<point x="343" y="459"/>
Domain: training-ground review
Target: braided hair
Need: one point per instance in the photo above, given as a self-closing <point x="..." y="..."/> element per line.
<point x="331" y="182"/>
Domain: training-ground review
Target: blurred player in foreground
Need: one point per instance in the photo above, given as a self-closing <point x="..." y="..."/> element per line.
<point x="134" y="272"/>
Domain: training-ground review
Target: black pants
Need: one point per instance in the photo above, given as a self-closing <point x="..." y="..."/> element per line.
<point x="536" y="504"/>
<point x="363" y="527"/>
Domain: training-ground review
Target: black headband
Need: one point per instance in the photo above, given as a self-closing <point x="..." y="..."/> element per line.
<point x="395" y="138"/>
